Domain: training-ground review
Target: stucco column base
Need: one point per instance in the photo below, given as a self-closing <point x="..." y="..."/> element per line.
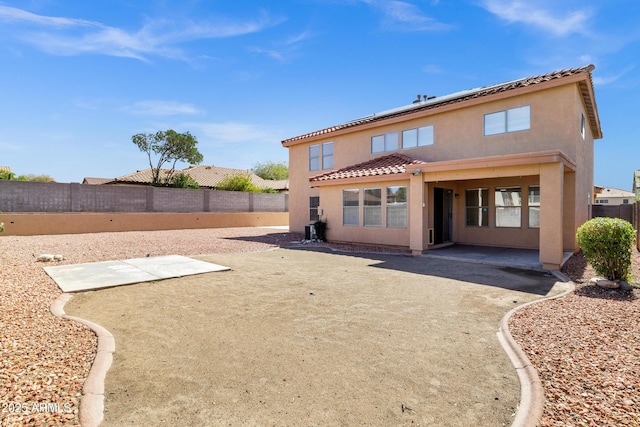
<point x="416" y="252"/>
<point x="550" y="266"/>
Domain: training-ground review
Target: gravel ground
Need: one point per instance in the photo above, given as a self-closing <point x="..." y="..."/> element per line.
<point x="586" y="346"/>
<point x="44" y="360"/>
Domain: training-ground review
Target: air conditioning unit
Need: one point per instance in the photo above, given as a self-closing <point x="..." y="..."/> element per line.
<point x="310" y="232"/>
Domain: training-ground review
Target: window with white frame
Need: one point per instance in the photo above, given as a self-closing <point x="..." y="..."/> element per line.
<point x="397" y="211"/>
<point x="533" y="203"/>
<point x="314" y="202"/>
<point x="417" y="137"/>
<point x="321" y="156"/>
<point x="351" y="207"/>
<point x="314" y="157"/>
<point x="386" y="142"/>
<point x="477" y="207"/>
<point x="625" y="201"/>
<point x="327" y="155"/>
<point x="508" y="206"/>
<point x="583" y="127"/>
<point x="372" y="207"/>
<point x="511" y="120"/>
<point x="602" y="201"/>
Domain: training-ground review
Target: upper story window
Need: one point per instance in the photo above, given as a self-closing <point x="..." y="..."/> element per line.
<point x="583" y="127"/>
<point x="314" y="157"/>
<point x="418" y="137"/>
<point x="386" y="142"/>
<point x="511" y="120"/>
<point x="321" y="158"/>
<point x="327" y="155"/>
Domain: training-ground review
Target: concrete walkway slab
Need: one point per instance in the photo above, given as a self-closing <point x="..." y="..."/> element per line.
<point x="106" y="274"/>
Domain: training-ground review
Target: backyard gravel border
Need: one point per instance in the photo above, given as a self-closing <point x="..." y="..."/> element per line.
<point x="91" y="411"/>
<point x="531" y="405"/>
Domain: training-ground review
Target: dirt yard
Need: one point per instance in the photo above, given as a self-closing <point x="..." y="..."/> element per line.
<point x="297" y="337"/>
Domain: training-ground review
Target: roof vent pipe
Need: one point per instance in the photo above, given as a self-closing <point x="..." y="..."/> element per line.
<point x="417" y="101"/>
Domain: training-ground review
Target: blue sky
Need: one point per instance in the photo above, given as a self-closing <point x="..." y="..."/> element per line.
<point x="79" y="78"/>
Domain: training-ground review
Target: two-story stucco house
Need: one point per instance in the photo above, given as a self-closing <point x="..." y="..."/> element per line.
<point x="508" y="165"/>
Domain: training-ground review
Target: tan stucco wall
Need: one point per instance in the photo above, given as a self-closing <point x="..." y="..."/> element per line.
<point x="331" y="204"/>
<point x="458" y="134"/>
<point x="521" y="237"/>
<point x="30" y="224"/>
<point x="556" y="114"/>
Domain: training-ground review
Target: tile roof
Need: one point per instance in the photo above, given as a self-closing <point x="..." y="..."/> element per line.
<point x="5" y="168"/>
<point x="386" y="165"/>
<point x="205" y="176"/>
<point x="96" y="181"/>
<point x="614" y="192"/>
<point x="431" y="103"/>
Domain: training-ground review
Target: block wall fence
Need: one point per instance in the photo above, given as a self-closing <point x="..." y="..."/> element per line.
<point x="21" y="196"/>
<point x="36" y="208"/>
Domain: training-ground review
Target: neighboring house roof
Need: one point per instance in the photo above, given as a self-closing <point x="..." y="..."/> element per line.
<point x="205" y="176"/>
<point x="386" y="165"/>
<point x="615" y="192"/>
<point x="277" y="184"/>
<point x="5" y="168"/>
<point x="585" y="83"/>
<point x="96" y="181"/>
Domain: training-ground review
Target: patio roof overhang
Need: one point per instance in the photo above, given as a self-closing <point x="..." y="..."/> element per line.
<point x="525" y="164"/>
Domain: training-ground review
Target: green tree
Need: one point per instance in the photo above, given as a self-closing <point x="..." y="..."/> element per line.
<point x="35" y="178"/>
<point x="183" y="180"/>
<point x="6" y="175"/>
<point x="28" y="177"/>
<point x="169" y="147"/>
<point x="271" y="170"/>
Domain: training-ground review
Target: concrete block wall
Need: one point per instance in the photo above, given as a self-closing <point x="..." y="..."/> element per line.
<point x="178" y="200"/>
<point x="229" y="201"/>
<point x="20" y="196"/>
<point x="103" y="198"/>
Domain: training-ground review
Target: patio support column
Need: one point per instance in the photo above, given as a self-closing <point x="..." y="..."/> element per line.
<point x="551" y="214"/>
<point x="416" y="218"/>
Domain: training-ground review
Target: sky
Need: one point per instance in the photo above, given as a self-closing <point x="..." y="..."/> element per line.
<point x="79" y="78"/>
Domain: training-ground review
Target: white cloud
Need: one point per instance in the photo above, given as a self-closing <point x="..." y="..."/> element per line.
<point x="532" y="14"/>
<point x="604" y="80"/>
<point x="404" y="16"/>
<point x="69" y="36"/>
<point x="233" y="132"/>
<point x="433" y="69"/>
<point x="160" y="108"/>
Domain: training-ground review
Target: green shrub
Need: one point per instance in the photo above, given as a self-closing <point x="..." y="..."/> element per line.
<point x="238" y="182"/>
<point x="182" y="180"/>
<point x="607" y="244"/>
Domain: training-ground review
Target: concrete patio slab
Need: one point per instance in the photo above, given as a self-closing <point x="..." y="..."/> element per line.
<point x="106" y="274"/>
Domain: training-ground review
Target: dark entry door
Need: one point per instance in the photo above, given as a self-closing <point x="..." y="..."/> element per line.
<point x="442" y="215"/>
